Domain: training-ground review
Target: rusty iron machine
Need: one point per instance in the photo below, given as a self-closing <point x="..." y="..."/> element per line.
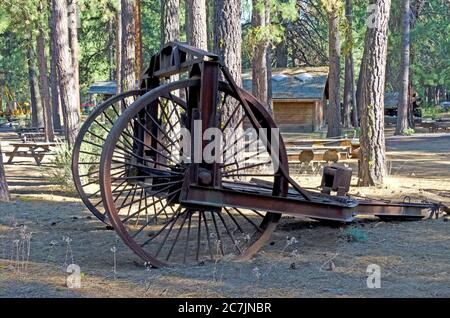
<point x="128" y="168"/>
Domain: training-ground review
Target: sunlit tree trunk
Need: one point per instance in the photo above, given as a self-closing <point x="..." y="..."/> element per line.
<point x="227" y="44"/>
<point x="74" y="49"/>
<point x="119" y="48"/>
<point x="403" y="101"/>
<point x="37" y="113"/>
<point x="359" y="89"/>
<point x="138" y="35"/>
<point x="372" y="167"/>
<point x="44" y="84"/>
<point x="259" y="58"/>
<point x="68" y="92"/>
<point x="349" y="86"/>
<point x="44" y="87"/>
<point x="197" y="26"/>
<point x="334" y="107"/>
<point x="56" y="105"/>
<point x="4" y="191"/>
<point x="170" y="21"/>
<point x="128" y="72"/>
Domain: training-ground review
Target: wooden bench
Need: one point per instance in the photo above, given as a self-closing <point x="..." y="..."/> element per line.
<point x="318" y="153"/>
<point x="444" y="125"/>
<point x="36" y="134"/>
<point x="21" y="131"/>
<point x="352" y="144"/>
<point x="36" y="150"/>
<point x="434" y="126"/>
<point x="33" y="137"/>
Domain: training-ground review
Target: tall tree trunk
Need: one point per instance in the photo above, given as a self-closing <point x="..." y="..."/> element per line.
<point x="227" y="44"/>
<point x="334" y="107"/>
<point x="269" y="62"/>
<point x="68" y="92"/>
<point x="359" y="89"/>
<point x="197" y="27"/>
<point x="349" y="85"/>
<point x="170" y="24"/>
<point x="73" y="40"/>
<point x="1" y="95"/>
<point x="170" y="21"/>
<point x="281" y="54"/>
<point x="128" y="75"/>
<point x="119" y="49"/>
<point x="56" y="105"/>
<point x="111" y="49"/>
<point x="350" y="111"/>
<point x="4" y="191"/>
<point x="355" y="113"/>
<point x="37" y="113"/>
<point x="227" y="35"/>
<point x="44" y="84"/>
<point x="403" y="101"/>
<point x="44" y="87"/>
<point x="259" y="58"/>
<point x="372" y="167"/>
<point x="269" y="79"/>
<point x="138" y="34"/>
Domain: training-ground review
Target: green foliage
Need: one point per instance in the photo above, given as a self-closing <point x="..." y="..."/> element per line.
<point x="151" y="30"/>
<point x="331" y="6"/>
<point x="59" y="171"/>
<point x="409" y="132"/>
<point x="96" y="39"/>
<point x="273" y="33"/>
<point x="301" y="24"/>
<point x="19" y="22"/>
<point x="431" y="46"/>
<point x="431" y="111"/>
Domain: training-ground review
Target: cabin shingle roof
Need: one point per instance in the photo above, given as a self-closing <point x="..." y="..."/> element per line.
<point x="107" y="88"/>
<point x="294" y="83"/>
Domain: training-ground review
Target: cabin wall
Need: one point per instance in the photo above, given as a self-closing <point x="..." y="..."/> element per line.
<point x="298" y="115"/>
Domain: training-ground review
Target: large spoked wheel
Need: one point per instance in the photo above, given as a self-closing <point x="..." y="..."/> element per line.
<point x="88" y="148"/>
<point x="143" y="167"/>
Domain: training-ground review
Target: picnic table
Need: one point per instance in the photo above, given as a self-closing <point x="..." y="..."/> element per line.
<point x="36" y="150"/>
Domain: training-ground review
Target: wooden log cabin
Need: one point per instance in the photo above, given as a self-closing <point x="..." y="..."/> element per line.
<point x="299" y="97"/>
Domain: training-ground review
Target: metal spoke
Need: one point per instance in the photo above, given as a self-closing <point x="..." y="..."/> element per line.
<point x="229" y="233"/>
<point x="187" y="236"/>
<point x="177" y="236"/>
<point x="250" y="221"/>
<point x="234" y="220"/>
<point x="219" y="237"/>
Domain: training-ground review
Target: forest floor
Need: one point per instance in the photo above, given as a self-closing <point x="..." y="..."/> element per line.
<point x="324" y="261"/>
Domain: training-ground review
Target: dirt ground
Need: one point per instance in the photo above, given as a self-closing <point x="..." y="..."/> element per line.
<point x="45" y="229"/>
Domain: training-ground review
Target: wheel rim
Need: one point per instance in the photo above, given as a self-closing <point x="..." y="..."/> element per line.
<point x="87" y="149"/>
<point x="183" y="234"/>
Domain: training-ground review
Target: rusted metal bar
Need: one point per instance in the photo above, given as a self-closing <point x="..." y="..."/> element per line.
<point x="205" y="197"/>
